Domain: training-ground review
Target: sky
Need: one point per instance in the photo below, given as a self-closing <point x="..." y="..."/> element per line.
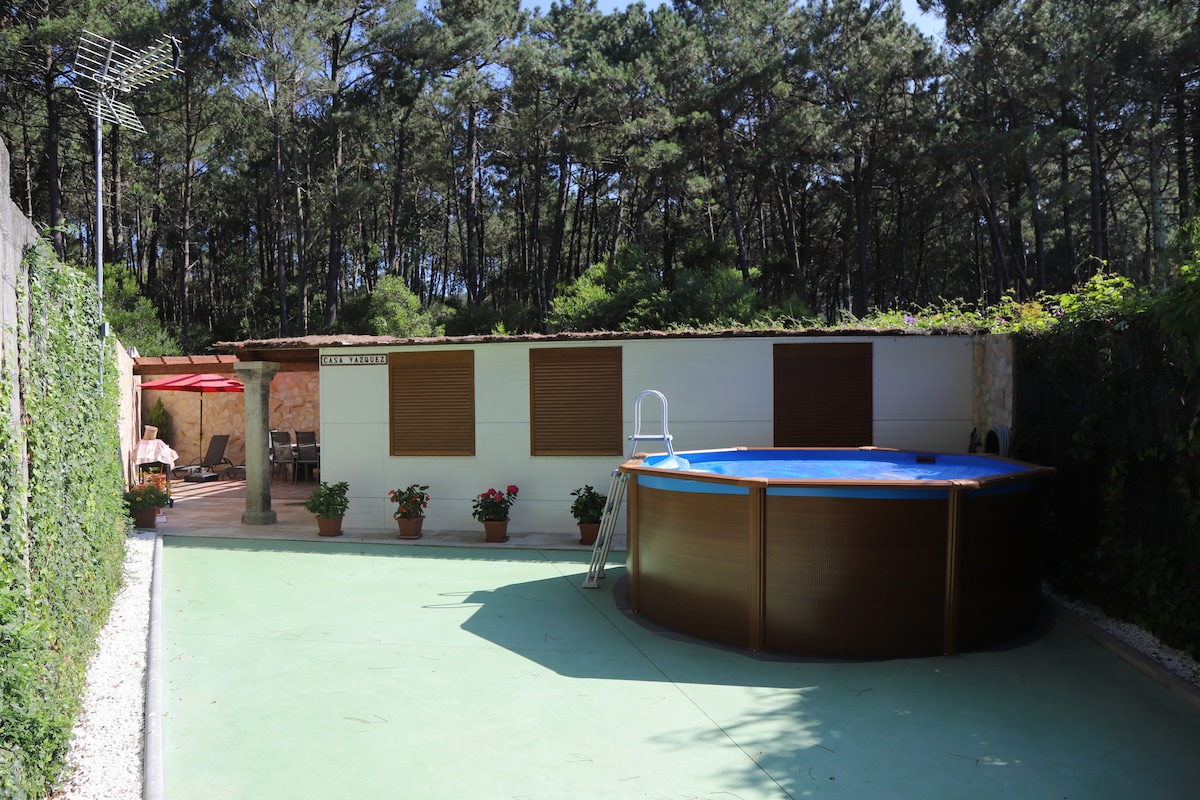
<point x="929" y="24"/>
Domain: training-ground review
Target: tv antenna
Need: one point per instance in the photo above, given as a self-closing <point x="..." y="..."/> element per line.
<point x="106" y="71"/>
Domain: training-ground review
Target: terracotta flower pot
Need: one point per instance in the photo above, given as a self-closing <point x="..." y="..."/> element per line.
<point x="329" y="526"/>
<point x="495" y="530"/>
<point x="144" y="517"/>
<point x="588" y="531"/>
<point x="410" y="527"/>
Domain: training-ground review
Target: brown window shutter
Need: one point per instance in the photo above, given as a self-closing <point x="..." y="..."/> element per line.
<point x="432" y="405"/>
<point x="823" y="395"/>
<point x="575" y="401"/>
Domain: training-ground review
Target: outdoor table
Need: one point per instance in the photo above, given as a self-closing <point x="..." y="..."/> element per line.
<point x="155" y="451"/>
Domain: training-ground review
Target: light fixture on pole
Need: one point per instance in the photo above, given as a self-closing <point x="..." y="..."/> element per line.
<point x="105" y="70"/>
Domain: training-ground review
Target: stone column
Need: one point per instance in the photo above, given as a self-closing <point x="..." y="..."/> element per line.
<point x="257" y="377"/>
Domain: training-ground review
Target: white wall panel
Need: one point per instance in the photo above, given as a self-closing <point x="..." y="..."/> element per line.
<point x="922" y="378"/>
<point x="719" y="393"/>
<point x="938" y="436"/>
<point x="357" y="393"/>
<point x="711" y="380"/>
<point x="502" y="384"/>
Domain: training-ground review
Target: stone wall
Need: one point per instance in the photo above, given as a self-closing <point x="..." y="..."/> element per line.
<point x="295" y="406"/>
<point x="993" y="368"/>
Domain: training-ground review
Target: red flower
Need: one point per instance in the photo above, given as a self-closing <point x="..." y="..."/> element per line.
<point x="512" y="489"/>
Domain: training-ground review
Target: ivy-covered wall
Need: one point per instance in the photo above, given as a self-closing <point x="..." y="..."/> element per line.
<point x="1111" y="404"/>
<point x="63" y="525"/>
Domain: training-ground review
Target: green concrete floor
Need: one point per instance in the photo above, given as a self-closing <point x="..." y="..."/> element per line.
<point x="348" y="670"/>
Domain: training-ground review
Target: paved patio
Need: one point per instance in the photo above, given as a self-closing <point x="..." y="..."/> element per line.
<point x="367" y="668"/>
<point x="215" y="509"/>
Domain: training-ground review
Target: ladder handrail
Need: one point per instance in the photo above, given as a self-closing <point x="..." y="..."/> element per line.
<point x="608" y="523"/>
<point x="665" y="436"/>
<point x="616" y="490"/>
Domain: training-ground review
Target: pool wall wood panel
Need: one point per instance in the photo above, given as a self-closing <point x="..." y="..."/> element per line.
<point x="837" y="568"/>
<point x="692" y="573"/>
<point x="998" y="568"/>
<point x="854" y="577"/>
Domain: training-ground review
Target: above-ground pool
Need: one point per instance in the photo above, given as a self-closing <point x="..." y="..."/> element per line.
<point x="841" y="553"/>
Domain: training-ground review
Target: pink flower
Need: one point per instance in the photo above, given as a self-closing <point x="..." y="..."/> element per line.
<point x="512" y="489"/>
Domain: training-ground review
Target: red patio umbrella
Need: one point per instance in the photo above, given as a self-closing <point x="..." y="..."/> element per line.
<point x="196" y="382"/>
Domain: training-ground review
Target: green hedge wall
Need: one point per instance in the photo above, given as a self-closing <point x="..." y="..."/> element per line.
<point x="1112" y="405"/>
<point x="63" y="528"/>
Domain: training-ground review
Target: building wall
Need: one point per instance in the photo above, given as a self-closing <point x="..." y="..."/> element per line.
<point x="129" y="420"/>
<point x="719" y="392"/>
<point x="993" y="382"/>
<point x="16" y="235"/>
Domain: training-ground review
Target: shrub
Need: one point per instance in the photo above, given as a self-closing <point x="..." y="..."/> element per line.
<point x="63" y="529"/>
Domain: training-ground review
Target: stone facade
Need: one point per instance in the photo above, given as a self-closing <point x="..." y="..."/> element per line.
<point x="993" y="366"/>
<point x="295" y="406"/>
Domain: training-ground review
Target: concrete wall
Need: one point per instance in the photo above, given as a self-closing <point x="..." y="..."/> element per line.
<point x="130" y="418"/>
<point x="720" y="395"/>
<point x="16" y="234"/>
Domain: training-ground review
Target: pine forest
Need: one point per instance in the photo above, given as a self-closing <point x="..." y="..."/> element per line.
<point x="474" y="166"/>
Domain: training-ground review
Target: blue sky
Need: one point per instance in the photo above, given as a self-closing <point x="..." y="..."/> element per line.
<point x="930" y="24"/>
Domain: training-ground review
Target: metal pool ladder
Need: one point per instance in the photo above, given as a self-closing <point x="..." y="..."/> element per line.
<point x="616" y="489"/>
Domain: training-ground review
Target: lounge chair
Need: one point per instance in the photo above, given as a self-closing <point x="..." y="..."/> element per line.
<point x="205" y="469"/>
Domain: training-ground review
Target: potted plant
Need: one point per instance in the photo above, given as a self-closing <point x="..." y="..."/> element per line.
<point x="410" y="509"/>
<point x="143" y="501"/>
<point x="588" y="510"/>
<point x="491" y="508"/>
<point x="329" y="502"/>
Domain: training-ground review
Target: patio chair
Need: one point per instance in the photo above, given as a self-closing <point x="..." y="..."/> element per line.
<point x="281" y="454"/>
<point x="205" y="469"/>
<point x="308" y="453"/>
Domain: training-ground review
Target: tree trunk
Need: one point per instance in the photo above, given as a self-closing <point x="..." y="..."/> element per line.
<point x="471" y="264"/>
<point x="554" y="258"/>
<point x="185" y="228"/>
<point x="1181" y="152"/>
<point x="151" y="251"/>
<point x="995" y="234"/>
<point x="787" y="216"/>
<point x="735" y="218"/>
<point x="1064" y="182"/>
<point x="1092" y="133"/>
<point x="333" y="276"/>
<point x="862" y="227"/>
<point x="302" y="218"/>
<point x="1158" y="218"/>
<point x="1039" y="222"/>
<point x="53" y="185"/>
<point x="280" y="273"/>
<point x="538" y="254"/>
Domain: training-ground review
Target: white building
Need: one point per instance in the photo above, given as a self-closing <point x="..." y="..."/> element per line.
<point x="551" y="413"/>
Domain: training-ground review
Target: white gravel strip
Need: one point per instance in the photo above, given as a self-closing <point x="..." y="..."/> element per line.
<point x="105" y="759"/>
<point x="1176" y="661"/>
